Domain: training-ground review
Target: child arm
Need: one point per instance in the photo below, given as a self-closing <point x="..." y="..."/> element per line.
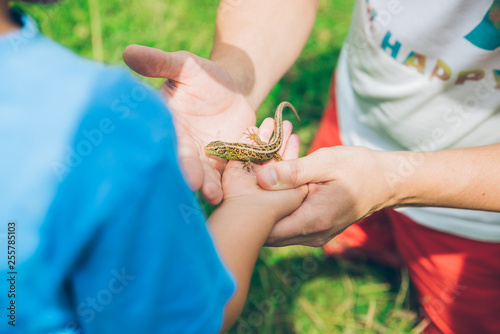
<point x="239" y="230"/>
<point x="241" y="224"/>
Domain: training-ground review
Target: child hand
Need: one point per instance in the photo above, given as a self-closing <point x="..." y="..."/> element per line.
<point x="239" y="183"/>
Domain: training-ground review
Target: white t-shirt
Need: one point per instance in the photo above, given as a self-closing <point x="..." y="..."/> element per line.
<point x="424" y="75"/>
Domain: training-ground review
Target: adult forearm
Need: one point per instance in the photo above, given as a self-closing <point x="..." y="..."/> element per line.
<point x="258" y="41"/>
<point x="466" y="178"/>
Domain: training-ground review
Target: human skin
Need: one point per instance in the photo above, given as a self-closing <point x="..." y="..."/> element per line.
<point x="216" y="98"/>
<point x="348" y="183"/>
<point x="247" y="214"/>
<point x="6" y="22"/>
<point x="255" y="43"/>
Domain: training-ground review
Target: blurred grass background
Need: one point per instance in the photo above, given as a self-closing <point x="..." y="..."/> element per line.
<point x="294" y="289"/>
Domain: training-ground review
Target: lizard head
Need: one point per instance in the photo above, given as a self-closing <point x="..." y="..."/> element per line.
<point x="217" y="148"/>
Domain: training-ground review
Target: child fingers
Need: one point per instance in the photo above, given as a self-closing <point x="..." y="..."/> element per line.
<point x="266" y="129"/>
<point x="287" y="131"/>
<point x="292" y="148"/>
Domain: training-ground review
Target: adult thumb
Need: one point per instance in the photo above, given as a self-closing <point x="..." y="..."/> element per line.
<point x="155" y="63"/>
<point x="292" y="173"/>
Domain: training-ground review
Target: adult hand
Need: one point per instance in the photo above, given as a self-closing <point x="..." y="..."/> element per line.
<point x="346" y="184"/>
<point x="207" y="105"/>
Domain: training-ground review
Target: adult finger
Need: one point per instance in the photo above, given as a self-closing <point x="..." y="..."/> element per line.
<point x="291" y="229"/>
<point x="155" y="63"/>
<point x="314" y="223"/>
<point x="211" y="189"/>
<point x="190" y="162"/>
<point x="293" y="173"/>
<point x="292" y="148"/>
<point x="287" y="132"/>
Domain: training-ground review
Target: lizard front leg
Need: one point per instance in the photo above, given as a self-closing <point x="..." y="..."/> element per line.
<point x="255" y="137"/>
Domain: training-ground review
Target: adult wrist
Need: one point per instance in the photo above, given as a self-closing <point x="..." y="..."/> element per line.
<point x="403" y="177"/>
<point x="239" y="67"/>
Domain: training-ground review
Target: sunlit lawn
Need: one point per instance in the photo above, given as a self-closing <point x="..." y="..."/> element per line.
<point x="294" y="289"/>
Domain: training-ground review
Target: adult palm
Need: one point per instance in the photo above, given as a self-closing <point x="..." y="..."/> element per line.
<point x="206" y="105"/>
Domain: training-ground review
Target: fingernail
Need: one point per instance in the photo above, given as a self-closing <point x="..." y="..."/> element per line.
<point x="271" y="176"/>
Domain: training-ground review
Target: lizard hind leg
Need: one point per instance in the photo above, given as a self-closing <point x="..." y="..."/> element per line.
<point x="247" y="165"/>
<point x="277" y="157"/>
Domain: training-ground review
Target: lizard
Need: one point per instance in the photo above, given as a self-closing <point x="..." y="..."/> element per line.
<point x="258" y="152"/>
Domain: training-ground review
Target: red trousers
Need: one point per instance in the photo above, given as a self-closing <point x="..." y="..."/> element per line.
<point x="457" y="279"/>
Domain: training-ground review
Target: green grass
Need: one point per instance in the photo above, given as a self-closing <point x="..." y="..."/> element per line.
<point x="294" y="289"/>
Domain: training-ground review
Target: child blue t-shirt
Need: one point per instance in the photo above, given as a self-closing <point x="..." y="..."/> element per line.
<point x="108" y="237"/>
